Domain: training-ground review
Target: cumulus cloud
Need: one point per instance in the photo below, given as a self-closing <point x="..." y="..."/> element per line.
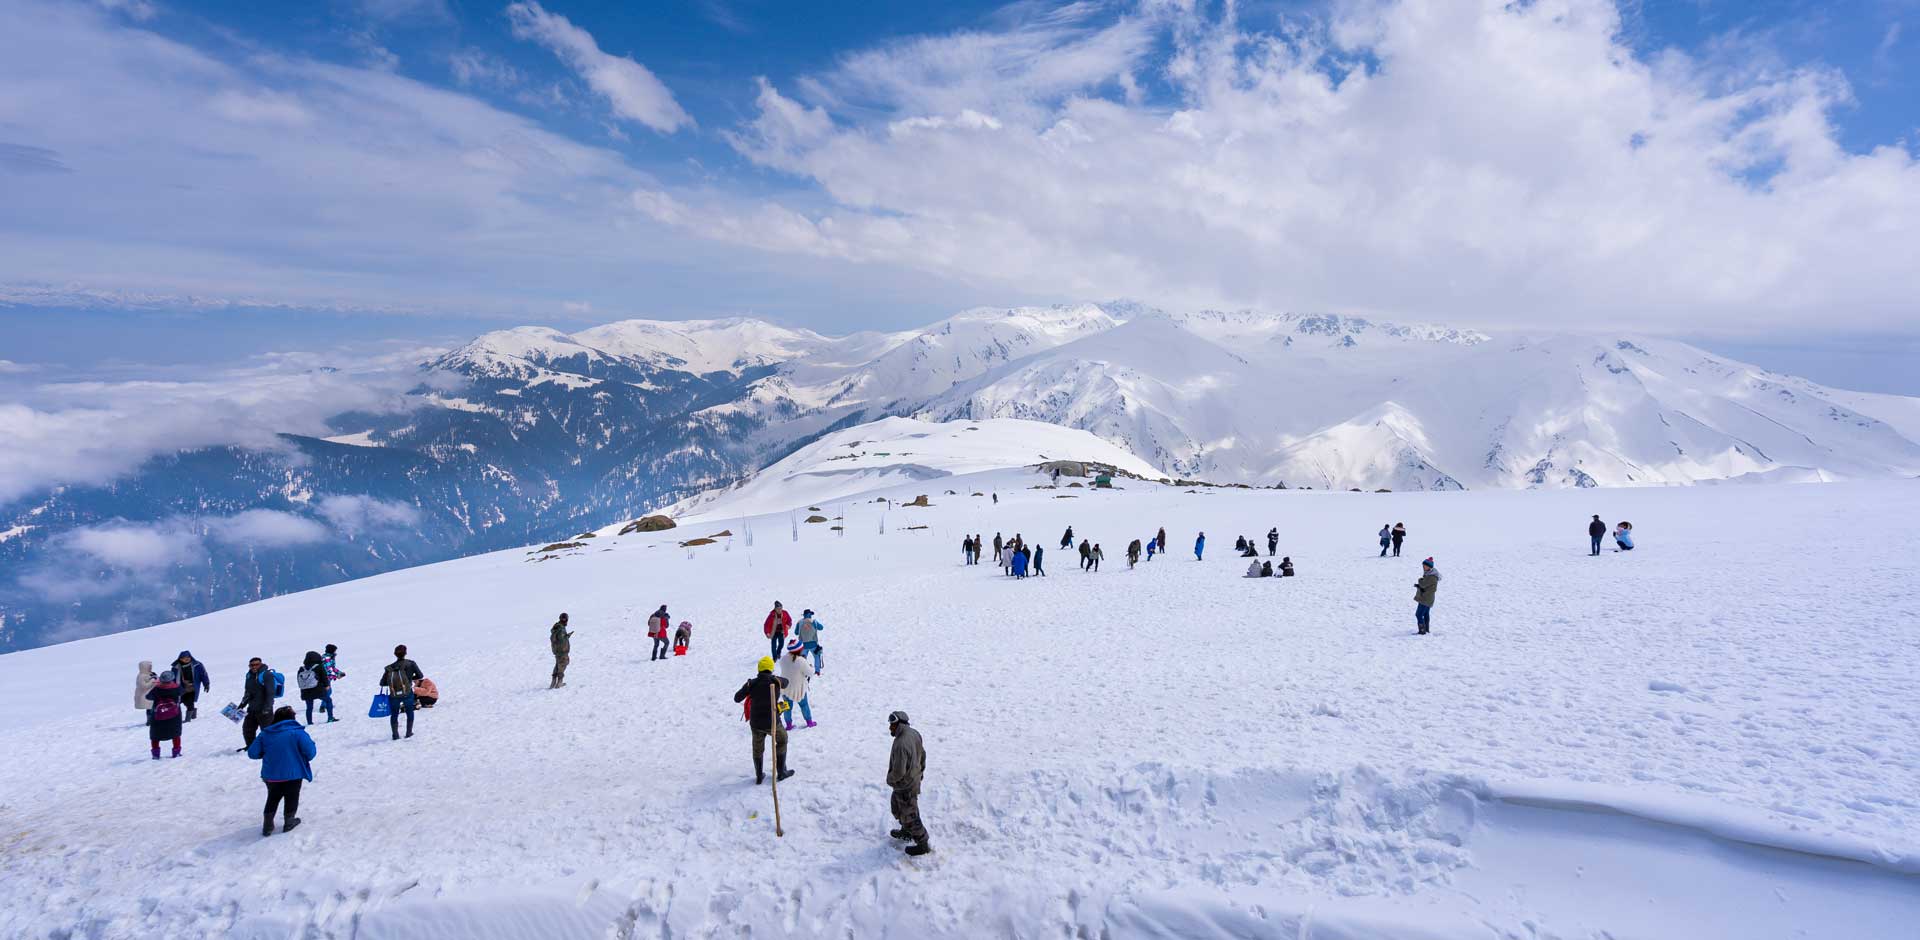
<point x="138" y="547"/>
<point x="1483" y="162"/>
<point x="267" y="528"/>
<point x="633" y="92"/>
<point x="355" y="514"/>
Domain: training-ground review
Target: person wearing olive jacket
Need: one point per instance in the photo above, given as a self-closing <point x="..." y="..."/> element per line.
<point x="905" y="767"/>
<point x="1423" y="592"/>
<point x="562" y="641"/>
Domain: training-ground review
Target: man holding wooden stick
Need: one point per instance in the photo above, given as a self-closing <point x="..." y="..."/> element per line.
<point x="761" y="696"/>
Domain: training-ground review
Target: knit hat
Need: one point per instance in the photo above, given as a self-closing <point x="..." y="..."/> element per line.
<point x="1428" y="563"/>
<point x="795" y="648"/>
<point x="766" y="664"/>
<point x="898" y="718"/>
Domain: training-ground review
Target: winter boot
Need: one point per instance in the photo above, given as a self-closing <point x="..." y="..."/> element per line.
<point x="900" y="834"/>
<point x="919" y="848"/>
<point x="785" y="773"/>
<point x="156" y="752"/>
<point x="266" y="828"/>
<point x="176" y="751"/>
<point x="759" y="769"/>
<point x="810" y="722"/>
<point x="291" y="824"/>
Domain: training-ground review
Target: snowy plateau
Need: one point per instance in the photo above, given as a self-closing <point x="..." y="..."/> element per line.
<point x="1710" y="736"/>
<point x="532" y="434"/>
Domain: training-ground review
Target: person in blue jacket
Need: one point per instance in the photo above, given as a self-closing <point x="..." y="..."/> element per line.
<point x="1199" y="546"/>
<point x="193" y="680"/>
<point x="285" y="752"/>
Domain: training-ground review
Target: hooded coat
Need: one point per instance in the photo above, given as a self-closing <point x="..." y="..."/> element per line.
<point x="285" y="751"/>
<point x="908" y="762"/>
<point x="192" y="673"/>
<point x="142" y="684"/>
<point x="1426" y="587"/>
<point x="318" y="666"/>
<point x="164" y="729"/>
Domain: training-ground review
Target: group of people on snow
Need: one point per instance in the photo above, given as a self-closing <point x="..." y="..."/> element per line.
<point x="1622" y="535"/>
<point x="1391" y="536"/>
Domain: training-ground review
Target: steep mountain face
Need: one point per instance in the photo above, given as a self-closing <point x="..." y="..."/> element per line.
<point x="531" y="434"/>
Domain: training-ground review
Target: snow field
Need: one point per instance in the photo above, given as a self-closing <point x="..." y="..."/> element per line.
<point x="1710" y="736"/>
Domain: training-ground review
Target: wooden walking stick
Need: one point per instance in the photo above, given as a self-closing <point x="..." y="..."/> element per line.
<point x="778" y="755"/>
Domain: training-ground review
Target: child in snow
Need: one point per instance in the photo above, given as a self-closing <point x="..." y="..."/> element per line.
<point x="797" y="672"/>
<point x="1623" y="537"/>
<point x="163" y="721"/>
<point x="682" y="638"/>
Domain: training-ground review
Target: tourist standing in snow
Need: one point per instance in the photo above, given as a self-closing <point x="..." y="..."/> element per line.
<point x="163" y="722"/>
<point x="256" y="699"/>
<point x="795" y="673"/>
<point x="1623" y="537"/>
<point x="1039" y="571"/>
<point x="905" y="768"/>
<point x="657" y="626"/>
<point x="778" y="622"/>
<point x="285" y="752"/>
<point x="1200" y="547"/>
<point x="807" y="631"/>
<point x="1066" y="541"/>
<point x="1386" y="539"/>
<point x="1596" y="530"/>
<point x="561" y="640"/>
<point x="143" y="680"/>
<point x="760" y="695"/>
<point x="1086" y="553"/>
<point x="193" y="680"/>
<point x="1162" y="539"/>
<point x="315" y="686"/>
<point x="398" y="678"/>
<point x="1399" y="535"/>
<point x="1020" y="562"/>
<point x="1423" y="592"/>
<point x="998" y="544"/>
<point x="1094" y="559"/>
<point x="1273" y="540"/>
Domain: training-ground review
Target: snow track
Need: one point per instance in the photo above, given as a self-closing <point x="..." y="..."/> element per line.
<point x="1709" y="737"/>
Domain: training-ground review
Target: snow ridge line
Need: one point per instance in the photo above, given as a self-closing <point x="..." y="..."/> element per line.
<point x="1714" y="820"/>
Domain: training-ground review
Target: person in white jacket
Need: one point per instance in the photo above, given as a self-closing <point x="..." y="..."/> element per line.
<point x="797" y="672"/>
<point x="143" y="683"/>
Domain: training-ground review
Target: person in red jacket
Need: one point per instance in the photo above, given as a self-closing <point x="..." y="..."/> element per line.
<point x="779" y="621"/>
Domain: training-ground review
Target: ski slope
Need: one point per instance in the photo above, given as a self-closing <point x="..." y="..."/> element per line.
<point x="1712" y="736"/>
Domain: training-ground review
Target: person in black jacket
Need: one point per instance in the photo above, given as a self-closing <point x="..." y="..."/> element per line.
<point x="322" y="690"/>
<point x="256" y="699"/>
<point x="1596" y="530"/>
<point x="193" y="680"/>
<point x="1273" y="540"/>
<point x="398" y="679"/>
<point x="1039" y="569"/>
<point x="761" y="694"/>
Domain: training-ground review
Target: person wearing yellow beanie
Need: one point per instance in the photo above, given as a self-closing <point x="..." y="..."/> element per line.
<point x="761" y="695"/>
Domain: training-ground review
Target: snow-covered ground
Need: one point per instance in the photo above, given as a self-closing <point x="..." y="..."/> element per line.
<point x="1712" y="736"/>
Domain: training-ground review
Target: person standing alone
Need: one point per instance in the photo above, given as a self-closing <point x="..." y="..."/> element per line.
<point x="399" y="677"/>
<point x="1423" y="594"/>
<point x="905" y="768"/>
<point x="561" y="639"/>
<point x="1596" y="531"/>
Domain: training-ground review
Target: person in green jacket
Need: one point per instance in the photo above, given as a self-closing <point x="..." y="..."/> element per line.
<point x="1423" y="591"/>
<point x="562" y="640"/>
<point x="904" y="769"/>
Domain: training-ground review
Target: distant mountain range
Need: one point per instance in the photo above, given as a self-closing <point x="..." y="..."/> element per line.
<point x="529" y="434"/>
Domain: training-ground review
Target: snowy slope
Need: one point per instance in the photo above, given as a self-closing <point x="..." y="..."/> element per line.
<point x="900" y="451"/>
<point x="1703" y="738"/>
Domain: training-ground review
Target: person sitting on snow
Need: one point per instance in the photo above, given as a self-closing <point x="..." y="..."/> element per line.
<point x="1286" y="567"/>
<point x="1623" y="537"/>
<point x="425" y="693"/>
<point x="1253" y="568"/>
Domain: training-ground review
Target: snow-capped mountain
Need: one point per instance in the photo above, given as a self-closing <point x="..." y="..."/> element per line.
<point x="531" y="433"/>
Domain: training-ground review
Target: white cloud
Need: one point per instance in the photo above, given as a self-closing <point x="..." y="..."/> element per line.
<point x="1484" y="162"/>
<point x="9" y="367"/>
<point x="260" y="107"/>
<point x="633" y="91"/>
<point x="478" y="67"/>
<point x="137" y="547"/>
<point x="141" y="10"/>
<point x="357" y="513"/>
<point x="267" y="528"/>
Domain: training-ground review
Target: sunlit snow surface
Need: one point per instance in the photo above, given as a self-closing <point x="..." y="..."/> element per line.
<point x="1711" y="736"/>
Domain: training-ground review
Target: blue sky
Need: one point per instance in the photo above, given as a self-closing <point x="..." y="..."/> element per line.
<point x="198" y="179"/>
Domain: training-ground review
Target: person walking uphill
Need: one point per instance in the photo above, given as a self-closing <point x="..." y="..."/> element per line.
<point x="760" y="695"/>
<point x="256" y="699"/>
<point x="905" y="768"/>
<point x="1386" y="538"/>
<point x="561" y="639"/>
<point x="285" y="752"/>
<point x="398" y="678"/>
<point x="657" y="627"/>
<point x="1596" y="530"/>
<point x="1423" y="592"/>
<point x="193" y="681"/>
<point x="315" y="685"/>
<point x="807" y="632"/>
<point x="795" y="673"/>
<point x="163" y="721"/>
<point x="776" y="627"/>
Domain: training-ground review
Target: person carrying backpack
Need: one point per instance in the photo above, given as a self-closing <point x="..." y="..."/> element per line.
<point x="807" y="633"/>
<point x="285" y="752"/>
<point x="778" y="622"/>
<point x="657" y="625"/>
<point x="398" y="679"/>
<point x="256" y="699"/>
<point x="163" y="721"/>
<point x="759" y="696"/>
<point x="193" y="681"/>
<point x="561" y="639"/>
<point x="316" y="685"/>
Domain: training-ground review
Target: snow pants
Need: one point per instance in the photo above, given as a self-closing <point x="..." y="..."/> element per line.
<point x="905" y="806"/>
<point x="1421" y="612"/>
<point x="760" y="749"/>
<point x="288" y="790"/>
